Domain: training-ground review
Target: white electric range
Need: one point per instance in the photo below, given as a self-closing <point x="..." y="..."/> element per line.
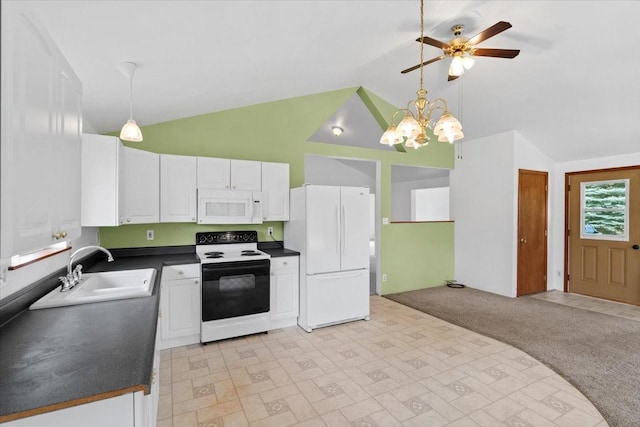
<point x="235" y="284"/>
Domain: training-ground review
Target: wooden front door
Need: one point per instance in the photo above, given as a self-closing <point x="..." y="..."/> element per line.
<point x="604" y="234"/>
<point x="532" y="231"/>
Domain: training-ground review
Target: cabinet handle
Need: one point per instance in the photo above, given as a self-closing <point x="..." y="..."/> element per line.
<point x="159" y="314"/>
<point x="196" y="281"/>
<point x="63" y="234"/>
<point x="128" y="219"/>
<point x="181" y="272"/>
<point x="57" y="235"/>
<point x="284" y="263"/>
<point x="153" y="376"/>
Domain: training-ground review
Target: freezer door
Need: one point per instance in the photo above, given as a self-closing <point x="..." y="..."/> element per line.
<point x="323" y="229"/>
<point x="335" y="297"/>
<point x="354" y="211"/>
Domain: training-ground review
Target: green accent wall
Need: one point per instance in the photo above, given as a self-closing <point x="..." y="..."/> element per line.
<point x="413" y="256"/>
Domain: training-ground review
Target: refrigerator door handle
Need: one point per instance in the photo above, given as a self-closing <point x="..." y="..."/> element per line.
<point x="344" y="230"/>
<point x="338" y="231"/>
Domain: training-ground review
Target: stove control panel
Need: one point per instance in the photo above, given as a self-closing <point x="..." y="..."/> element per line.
<point x="222" y="237"/>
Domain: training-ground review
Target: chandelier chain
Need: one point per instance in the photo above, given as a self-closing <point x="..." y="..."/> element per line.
<point x="421" y="43"/>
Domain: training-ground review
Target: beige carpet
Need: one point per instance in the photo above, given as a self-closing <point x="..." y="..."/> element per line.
<point x="597" y="353"/>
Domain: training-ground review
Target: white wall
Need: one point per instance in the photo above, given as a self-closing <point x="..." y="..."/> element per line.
<point x="401" y="195"/>
<point x="430" y="204"/>
<point x="484" y="206"/>
<point x="482" y="200"/>
<point x="556" y="232"/>
<point x="321" y="170"/>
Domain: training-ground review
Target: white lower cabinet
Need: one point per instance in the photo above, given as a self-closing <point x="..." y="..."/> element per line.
<point x="284" y="292"/>
<point x="180" y="305"/>
<point x="115" y="411"/>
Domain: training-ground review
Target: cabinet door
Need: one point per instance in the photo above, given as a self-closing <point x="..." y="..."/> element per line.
<point x="275" y="188"/>
<point x="284" y="289"/>
<point x="177" y="188"/>
<point x="214" y="173"/>
<point x="180" y="305"/>
<point x="246" y="175"/>
<point x="101" y="157"/>
<point x="139" y="187"/>
<point x="27" y="151"/>
<point x="66" y="151"/>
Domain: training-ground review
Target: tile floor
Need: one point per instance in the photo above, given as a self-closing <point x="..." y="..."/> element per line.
<point x="612" y="308"/>
<point x="401" y="368"/>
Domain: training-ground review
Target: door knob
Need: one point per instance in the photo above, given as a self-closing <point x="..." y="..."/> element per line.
<point x="635" y="247"/>
<point x="523" y="241"/>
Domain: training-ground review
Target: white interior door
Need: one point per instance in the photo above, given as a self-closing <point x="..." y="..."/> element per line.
<point x="354" y="212"/>
<point x="323" y="229"/>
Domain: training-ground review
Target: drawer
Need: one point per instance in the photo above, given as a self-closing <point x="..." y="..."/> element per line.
<point x="173" y="272"/>
<point x="282" y="263"/>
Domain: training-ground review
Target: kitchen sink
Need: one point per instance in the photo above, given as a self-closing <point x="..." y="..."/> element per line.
<point x="103" y="286"/>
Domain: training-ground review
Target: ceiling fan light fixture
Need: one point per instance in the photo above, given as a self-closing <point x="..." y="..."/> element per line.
<point x="468" y="61"/>
<point x="130" y="130"/>
<point x="456" y="68"/>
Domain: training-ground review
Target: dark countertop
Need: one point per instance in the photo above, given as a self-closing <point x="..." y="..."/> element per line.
<point x="276" y="249"/>
<point x="60" y="357"/>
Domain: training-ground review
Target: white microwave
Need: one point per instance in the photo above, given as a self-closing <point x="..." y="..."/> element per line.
<point x="229" y="206"/>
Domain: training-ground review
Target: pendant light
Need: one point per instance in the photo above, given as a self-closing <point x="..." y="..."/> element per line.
<point x="130" y="131"/>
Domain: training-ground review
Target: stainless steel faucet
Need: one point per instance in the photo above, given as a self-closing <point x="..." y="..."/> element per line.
<point x="73" y="276"/>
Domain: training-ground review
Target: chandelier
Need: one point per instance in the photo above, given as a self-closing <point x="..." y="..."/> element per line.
<point x="412" y="129"/>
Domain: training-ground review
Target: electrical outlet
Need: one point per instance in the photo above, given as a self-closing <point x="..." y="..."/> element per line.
<point x="270" y="231"/>
<point x="150" y="235"/>
<point x="384" y="277"/>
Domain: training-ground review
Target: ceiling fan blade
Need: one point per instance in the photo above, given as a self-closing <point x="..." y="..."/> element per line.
<point x="489" y="32"/>
<point x="433" y="42"/>
<point x="415" y="67"/>
<point x="452" y="77"/>
<point x="496" y="53"/>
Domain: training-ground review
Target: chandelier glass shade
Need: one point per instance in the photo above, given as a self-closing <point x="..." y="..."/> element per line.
<point x="413" y="129"/>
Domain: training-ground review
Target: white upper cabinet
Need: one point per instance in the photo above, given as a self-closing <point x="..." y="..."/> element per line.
<point x="120" y="185"/>
<point x="41" y="130"/>
<point x="101" y="156"/>
<point x="246" y="175"/>
<point x="214" y="173"/>
<point x="275" y="186"/>
<point x="229" y="174"/>
<point x="177" y="188"/>
<point x="140" y="187"/>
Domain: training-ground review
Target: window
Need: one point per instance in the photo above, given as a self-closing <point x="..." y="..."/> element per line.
<point x="605" y="210"/>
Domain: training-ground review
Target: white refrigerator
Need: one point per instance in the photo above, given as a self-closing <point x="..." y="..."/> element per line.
<point x="329" y="226"/>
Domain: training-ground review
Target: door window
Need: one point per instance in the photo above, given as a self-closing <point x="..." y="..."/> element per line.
<point x="604" y="210"/>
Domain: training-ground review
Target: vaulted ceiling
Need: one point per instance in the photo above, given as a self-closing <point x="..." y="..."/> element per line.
<point x="574" y="90"/>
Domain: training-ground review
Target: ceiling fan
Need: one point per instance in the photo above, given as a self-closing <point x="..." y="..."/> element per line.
<point x="462" y="50"/>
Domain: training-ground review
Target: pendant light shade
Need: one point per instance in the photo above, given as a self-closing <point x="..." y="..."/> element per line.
<point x="130" y="131"/>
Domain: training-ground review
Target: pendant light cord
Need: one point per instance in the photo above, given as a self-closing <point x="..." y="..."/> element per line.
<point x="131" y="97"/>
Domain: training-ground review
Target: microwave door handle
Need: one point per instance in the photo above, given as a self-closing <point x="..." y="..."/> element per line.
<point x="253" y="210"/>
